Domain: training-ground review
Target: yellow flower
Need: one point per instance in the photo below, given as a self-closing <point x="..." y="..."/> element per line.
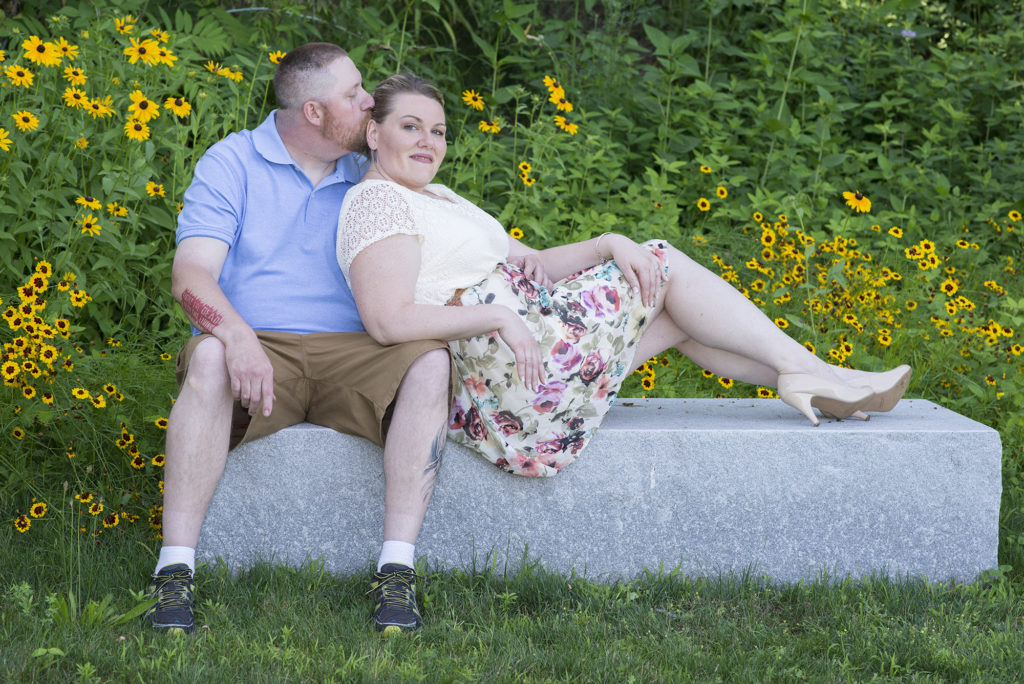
<point x="146" y="50"/>
<point x="5" y="140"/>
<point x="782" y="323"/>
<point x="73" y="97"/>
<point x="74" y="76"/>
<point x="155" y="189"/>
<point x="125" y="24"/>
<point x="142" y="108"/>
<point x="90" y="225"/>
<point x="473" y="99"/>
<point x="100" y="109"/>
<point x="66" y="49"/>
<point x="949" y="287"/>
<point x="725" y="382"/>
<point x="179" y="106"/>
<point x="276" y="56"/>
<point x="493" y="126"/>
<point x="566" y="125"/>
<point x="857" y="201"/>
<point x="19" y="76"/>
<point x="551" y="83"/>
<point x="212" y="67"/>
<point x="165" y="56"/>
<point x="896" y="231"/>
<point x="42" y="53"/>
<point x="721" y="192"/>
<point x="1014" y="215"/>
<point x="524" y="167"/>
<point x="89" y="202"/>
<point x="38" y="510"/>
<point x="161" y="423"/>
<point x="516" y="232"/>
<point x="707" y="169"/>
<point x="703" y="204"/>
<point x="3" y="56"/>
<point x="26" y="121"/>
<point x="136" y="130"/>
<point x="22" y="524"/>
<point x="927" y="246"/>
<point x="99" y="401"/>
<point x="558" y="99"/>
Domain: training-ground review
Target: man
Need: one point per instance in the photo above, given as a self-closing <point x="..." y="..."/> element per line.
<point x="278" y="337"/>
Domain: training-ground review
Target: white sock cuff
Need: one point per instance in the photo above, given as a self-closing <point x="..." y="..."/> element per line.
<point x="397" y="552"/>
<point x="169" y="555"/>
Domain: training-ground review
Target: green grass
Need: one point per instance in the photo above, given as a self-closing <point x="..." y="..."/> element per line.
<point x="274" y="623"/>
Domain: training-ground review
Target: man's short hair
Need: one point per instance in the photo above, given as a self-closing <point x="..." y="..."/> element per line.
<point x="298" y="77"/>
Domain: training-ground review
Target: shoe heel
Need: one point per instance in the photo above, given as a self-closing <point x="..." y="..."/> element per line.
<point x="801" y="401"/>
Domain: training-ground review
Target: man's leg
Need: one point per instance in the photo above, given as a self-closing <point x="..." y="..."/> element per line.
<point x="198" y="431"/>
<point x="412" y="459"/>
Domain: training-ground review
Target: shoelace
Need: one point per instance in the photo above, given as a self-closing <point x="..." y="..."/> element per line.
<point x="395" y="587"/>
<point x="173" y="589"/>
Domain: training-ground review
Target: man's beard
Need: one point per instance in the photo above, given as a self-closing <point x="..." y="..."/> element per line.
<point x="352" y="137"/>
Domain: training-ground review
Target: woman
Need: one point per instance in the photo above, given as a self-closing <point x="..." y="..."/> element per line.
<point x="543" y="339"/>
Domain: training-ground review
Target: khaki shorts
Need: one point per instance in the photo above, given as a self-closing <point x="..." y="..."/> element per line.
<point x="344" y="381"/>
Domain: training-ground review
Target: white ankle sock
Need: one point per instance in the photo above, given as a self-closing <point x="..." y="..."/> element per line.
<point x="397" y="552"/>
<point x="169" y="555"/>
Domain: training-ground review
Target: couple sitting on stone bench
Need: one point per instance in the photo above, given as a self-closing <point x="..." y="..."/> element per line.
<point x="329" y="280"/>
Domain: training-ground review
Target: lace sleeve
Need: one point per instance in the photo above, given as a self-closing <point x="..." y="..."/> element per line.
<point x="370" y="213"/>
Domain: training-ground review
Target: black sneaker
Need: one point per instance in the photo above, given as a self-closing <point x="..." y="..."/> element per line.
<point x="173" y="588"/>
<point x="394" y="588"/>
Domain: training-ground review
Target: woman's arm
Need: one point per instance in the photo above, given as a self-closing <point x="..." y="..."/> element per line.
<point x="383" y="281"/>
<point x="641" y="269"/>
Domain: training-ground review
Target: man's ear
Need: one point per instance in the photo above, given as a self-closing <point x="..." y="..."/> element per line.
<point x="371" y="134"/>
<point x="313" y="112"/>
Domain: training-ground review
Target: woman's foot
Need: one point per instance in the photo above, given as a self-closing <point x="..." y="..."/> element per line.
<point x="803" y="391"/>
<point x="888" y="386"/>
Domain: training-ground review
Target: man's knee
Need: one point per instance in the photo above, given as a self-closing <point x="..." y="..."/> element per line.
<point x="207" y="368"/>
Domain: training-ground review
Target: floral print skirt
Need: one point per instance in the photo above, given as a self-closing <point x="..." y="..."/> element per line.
<point x="587" y="325"/>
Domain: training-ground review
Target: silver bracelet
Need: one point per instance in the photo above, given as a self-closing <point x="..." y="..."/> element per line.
<point x="597" y="248"/>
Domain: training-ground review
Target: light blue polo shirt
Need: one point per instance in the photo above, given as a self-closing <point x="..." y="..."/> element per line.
<point x="281" y="272"/>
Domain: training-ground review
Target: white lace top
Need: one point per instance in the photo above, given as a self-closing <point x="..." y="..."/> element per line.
<point x="460" y="242"/>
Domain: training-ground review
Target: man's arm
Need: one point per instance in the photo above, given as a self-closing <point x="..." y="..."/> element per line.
<point x="197" y="266"/>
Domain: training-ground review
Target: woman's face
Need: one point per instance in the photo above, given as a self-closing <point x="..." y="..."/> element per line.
<point x="410" y="142"/>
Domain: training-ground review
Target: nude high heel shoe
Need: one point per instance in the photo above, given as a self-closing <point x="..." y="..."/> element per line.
<point x="803" y="391"/>
<point x="888" y="387"/>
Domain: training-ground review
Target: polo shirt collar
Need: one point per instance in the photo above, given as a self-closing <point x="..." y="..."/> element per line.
<point x="268" y="143"/>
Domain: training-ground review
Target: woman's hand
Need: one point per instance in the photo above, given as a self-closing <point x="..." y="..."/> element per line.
<point x="639" y="267"/>
<point x="517" y="336"/>
<point x="532" y="268"/>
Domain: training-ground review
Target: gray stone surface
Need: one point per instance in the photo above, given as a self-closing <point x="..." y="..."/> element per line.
<point x="707" y="485"/>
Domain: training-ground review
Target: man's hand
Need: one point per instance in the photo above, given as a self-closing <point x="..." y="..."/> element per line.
<point x="252" y="376"/>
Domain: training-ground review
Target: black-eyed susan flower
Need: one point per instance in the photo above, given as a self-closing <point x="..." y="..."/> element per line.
<point x="38" y="509"/>
<point x="145" y="50"/>
<point x="1014" y="215"/>
<point x="566" y="125"/>
<point x="73" y="97"/>
<point x="95" y="508"/>
<point x="551" y="83"/>
<point x="90" y="226"/>
<point x="703" y="204"/>
<point x="19" y="76"/>
<point x="705" y="169"/>
<point x="896" y="232"/>
<point x="99" y="401"/>
<point x="84" y="497"/>
<point x="161" y="423"/>
<point x="79" y="298"/>
<point x="491" y="126"/>
<point x="41" y="52"/>
<point x="22" y="524"/>
<point x="949" y="287"/>
<point x="80" y="393"/>
<point x="527" y="180"/>
<point x="473" y="99"/>
<point x="276" y="56"/>
<point x="25" y="120"/>
<point x="65" y="49"/>
<point x="857" y="201"/>
<point x="47" y="398"/>
<point x="810" y="347"/>
<point x="562" y="104"/>
<point x="726" y="382"/>
<point x="112" y="520"/>
<point x="782" y="322"/>
<point x="516" y="232"/>
<point x="138" y="462"/>
<point x="28" y="391"/>
<point x="3" y="56"/>
<point x="117" y="209"/>
<point x="5" y="140"/>
<point x="647" y="382"/>
<point x="82" y="143"/>
<point x="158" y="460"/>
<point x="722" y="192"/>
<point x="136" y="130"/>
<point x="18" y="433"/>
<point x="165" y="56"/>
<point x="124" y="24"/>
<point x="165" y="356"/>
<point x="88" y="201"/>
<point x="706" y="373"/>
<point x="75" y="75"/>
<point x="142" y="108"/>
<point x="765" y="393"/>
<point x="178" y="106"/>
<point x="100" y="108"/>
<point x="154" y="189"/>
<point x="524" y="167"/>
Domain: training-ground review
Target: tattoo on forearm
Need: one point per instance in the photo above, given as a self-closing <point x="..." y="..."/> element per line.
<point x="205" y="317"/>
<point x="434" y="465"/>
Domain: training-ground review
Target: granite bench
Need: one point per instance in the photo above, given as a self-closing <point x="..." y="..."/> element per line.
<point x="707" y="486"/>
